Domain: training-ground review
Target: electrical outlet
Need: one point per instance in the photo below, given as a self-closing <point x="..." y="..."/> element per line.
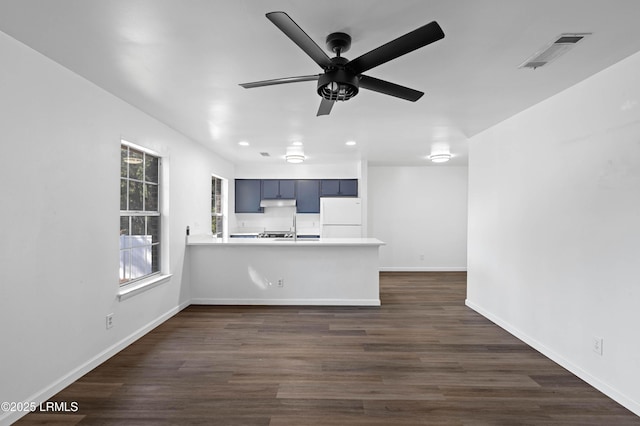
<point x="109" y="321"/>
<point x="281" y="282"/>
<point x="422" y="257"/>
<point x="597" y="345"/>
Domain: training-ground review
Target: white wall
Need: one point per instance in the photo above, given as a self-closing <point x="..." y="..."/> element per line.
<point x="554" y="228"/>
<point x="421" y="213"/>
<point x="344" y="170"/>
<point x="59" y="180"/>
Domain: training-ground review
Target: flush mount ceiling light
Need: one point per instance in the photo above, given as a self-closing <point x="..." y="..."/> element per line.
<point x="294" y="155"/>
<point x="243" y="143"/>
<point x="440" y="158"/>
<point x="350" y="143"/>
<point x="295" y="158"/>
<point x="553" y="50"/>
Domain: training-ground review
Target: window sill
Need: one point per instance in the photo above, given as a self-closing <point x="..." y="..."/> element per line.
<point x="131" y="290"/>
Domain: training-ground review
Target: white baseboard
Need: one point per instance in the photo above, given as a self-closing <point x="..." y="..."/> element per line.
<point x="612" y="393"/>
<point x="46" y="393"/>
<point x="423" y="268"/>
<point x="289" y="302"/>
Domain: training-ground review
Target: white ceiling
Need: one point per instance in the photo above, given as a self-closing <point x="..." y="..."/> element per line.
<point x="181" y="61"/>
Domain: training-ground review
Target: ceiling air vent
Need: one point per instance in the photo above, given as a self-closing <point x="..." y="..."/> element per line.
<point x="552" y="51"/>
<point x="265" y="154"/>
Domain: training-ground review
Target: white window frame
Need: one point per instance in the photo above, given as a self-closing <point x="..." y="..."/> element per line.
<point x="143" y="283"/>
<point x="223" y="205"/>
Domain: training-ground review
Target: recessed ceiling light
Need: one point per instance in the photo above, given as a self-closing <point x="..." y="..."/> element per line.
<point x="350" y="143"/>
<point x="243" y="143"/>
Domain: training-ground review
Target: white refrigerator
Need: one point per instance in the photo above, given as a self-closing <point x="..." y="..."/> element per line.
<point x="340" y="217"/>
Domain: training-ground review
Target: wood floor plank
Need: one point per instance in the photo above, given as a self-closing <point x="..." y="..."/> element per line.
<point x="422" y="358"/>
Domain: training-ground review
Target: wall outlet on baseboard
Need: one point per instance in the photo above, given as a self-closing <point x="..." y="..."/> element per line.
<point x="598" y="345"/>
<point x="280" y="282"/>
<point x="109" y="321"/>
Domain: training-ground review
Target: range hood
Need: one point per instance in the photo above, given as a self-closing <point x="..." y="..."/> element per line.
<point x="277" y="203"/>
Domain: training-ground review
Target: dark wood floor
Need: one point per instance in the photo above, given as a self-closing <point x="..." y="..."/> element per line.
<point x="423" y="358"/>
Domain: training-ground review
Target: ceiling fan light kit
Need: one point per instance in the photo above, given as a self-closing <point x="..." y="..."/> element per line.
<point x="342" y="79"/>
<point x="337" y="85"/>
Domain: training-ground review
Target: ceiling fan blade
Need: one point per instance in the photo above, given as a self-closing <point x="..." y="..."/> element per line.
<point x="299" y="37"/>
<point x="325" y="107"/>
<point x="409" y="42"/>
<point x="280" y="81"/>
<point x="388" y="88"/>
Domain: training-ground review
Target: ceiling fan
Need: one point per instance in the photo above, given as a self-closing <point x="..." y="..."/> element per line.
<point x="342" y="78"/>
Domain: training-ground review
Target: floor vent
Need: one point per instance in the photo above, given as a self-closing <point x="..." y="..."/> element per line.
<point x="552" y="51"/>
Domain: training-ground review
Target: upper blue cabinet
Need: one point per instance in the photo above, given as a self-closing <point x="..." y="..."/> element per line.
<point x="248" y="195"/>
<point x="273" y="189"/>
<point x="308" y="196"/>
<point x="339" y="188"/>
<point x="306" y="192"/>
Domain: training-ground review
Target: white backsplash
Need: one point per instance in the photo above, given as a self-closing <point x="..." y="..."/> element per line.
<point x="277" y="219"/>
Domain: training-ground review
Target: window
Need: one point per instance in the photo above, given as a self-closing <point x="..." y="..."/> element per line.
<point x="139" y="214"/>
<point x="217" y="204"/>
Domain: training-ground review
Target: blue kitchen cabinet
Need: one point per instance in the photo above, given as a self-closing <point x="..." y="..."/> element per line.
<point x="339" y="188"/>
<point x="348" y="188"/>
<point x="288" y="189"/>
<point x="273" y="189"/>
<point x="306" y="192"/>
<point x="308" y="196"/>
<point x="270" y="188"/>
<point x="248" y="195"/>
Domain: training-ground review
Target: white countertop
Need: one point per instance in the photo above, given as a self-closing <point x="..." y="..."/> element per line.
<point x="209" y="240"/>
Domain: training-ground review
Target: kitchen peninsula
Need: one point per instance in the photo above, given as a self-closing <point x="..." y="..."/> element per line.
<point x="325" y="271"/>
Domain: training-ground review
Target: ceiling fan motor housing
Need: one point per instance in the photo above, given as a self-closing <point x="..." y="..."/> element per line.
<point x="338" y="42"/>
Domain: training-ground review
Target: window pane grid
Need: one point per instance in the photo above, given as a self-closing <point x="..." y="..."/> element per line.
<point x="217" y="218"/>
<point x="139" y="215"/>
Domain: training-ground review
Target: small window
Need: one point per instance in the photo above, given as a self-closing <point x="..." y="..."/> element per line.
<point x="217" y="206"/>
<point x="139" y="214"/>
